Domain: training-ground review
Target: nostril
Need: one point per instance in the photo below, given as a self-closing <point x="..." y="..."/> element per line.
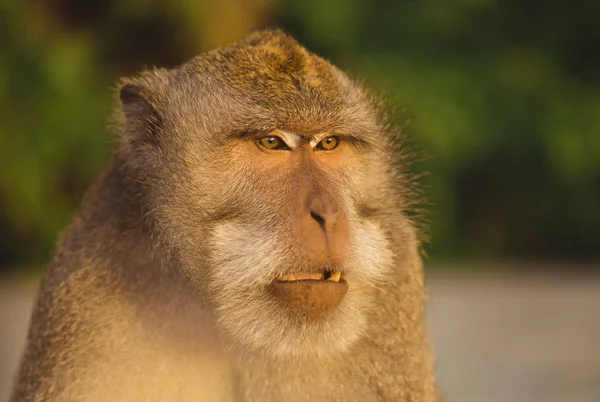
<point x="318" y="218"/>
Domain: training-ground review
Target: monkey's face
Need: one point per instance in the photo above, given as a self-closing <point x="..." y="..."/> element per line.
<point x="272" y="182"/>
<point x="281" y="231"/>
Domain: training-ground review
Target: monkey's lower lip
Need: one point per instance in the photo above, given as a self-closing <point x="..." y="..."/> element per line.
<point x="310" y="297"/>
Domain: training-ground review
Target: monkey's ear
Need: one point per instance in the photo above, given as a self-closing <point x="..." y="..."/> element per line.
<point x="142" y="121"/>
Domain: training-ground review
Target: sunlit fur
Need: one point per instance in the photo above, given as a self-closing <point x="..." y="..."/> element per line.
<point x="224" y="216"/>
<point x="159" y="290"/>
<point x="246" y="259"/>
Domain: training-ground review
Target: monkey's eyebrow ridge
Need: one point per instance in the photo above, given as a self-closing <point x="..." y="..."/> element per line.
<point x="293" y="140"/>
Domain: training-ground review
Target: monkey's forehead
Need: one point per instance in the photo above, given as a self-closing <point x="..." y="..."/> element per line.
<point x="270" y="64"/>
<point x="272" y="79"/>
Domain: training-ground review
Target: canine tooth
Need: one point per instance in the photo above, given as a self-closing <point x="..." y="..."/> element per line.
<point x="291" y="277"/>
<point x="283" y="278"/>
<point x="335" y="276"/>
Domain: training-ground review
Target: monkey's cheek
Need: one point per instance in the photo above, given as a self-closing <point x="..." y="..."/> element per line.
<point x="309" y="299"/>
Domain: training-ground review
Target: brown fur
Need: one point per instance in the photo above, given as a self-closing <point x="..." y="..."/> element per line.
<point x="158" y="290"/>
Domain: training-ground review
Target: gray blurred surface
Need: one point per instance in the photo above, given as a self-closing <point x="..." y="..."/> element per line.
<point x="516" y="339"/>
<point x="16" y="300"/>
<point x="497" y="338"/>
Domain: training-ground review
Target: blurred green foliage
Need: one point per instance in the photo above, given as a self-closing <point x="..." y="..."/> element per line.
<point x="504" y="96"/>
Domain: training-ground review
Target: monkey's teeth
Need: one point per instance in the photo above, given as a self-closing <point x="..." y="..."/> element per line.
<point x="335" y="276"/>
<point x="283" y="278"/>
<point x="291" y="277"/>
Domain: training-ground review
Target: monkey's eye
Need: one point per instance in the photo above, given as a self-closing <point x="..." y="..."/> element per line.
<point x="328" y="143"/>
<point x="272" y="142"/>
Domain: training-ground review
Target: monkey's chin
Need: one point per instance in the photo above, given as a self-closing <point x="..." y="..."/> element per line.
<point x="311" y="299"/>
<point x="294" y="319"/>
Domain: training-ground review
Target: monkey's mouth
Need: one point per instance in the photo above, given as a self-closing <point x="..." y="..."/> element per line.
<point x="310" y="294"/>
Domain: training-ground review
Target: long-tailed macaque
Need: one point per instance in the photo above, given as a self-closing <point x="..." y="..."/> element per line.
<point x="248" y="240"/>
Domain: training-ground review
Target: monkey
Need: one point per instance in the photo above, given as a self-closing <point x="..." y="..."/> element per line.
<point x="249" y="239"/>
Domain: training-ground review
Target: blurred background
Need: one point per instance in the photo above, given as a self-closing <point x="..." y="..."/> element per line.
<point x="501" y="100"/>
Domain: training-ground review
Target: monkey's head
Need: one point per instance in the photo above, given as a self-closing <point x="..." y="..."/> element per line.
<point x="267" y="173"/>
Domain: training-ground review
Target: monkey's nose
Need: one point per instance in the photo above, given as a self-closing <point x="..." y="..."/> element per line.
<point x="325" y="229"/>
<point x="317" y="217"/>
<point x="323" y="210"/>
